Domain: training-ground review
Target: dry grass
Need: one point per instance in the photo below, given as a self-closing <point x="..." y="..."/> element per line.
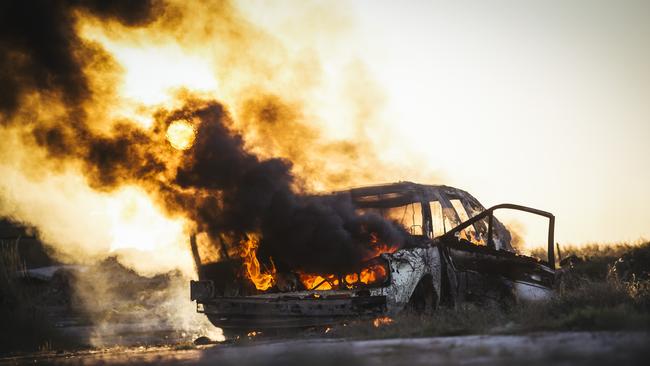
<point x="590" y="295"/>
<point x="594" y="293"/>
<point x="25" y="326"/>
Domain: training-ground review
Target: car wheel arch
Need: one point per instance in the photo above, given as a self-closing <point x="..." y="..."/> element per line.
<point x="424" y="298"/>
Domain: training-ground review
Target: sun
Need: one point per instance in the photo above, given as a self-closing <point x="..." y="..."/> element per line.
<point x="181" y="134"/>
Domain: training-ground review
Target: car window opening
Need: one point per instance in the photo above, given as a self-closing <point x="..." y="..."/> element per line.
<point x="437" y="221"/>
<point x="408" y="216"/>
<point x="470" y="233"/>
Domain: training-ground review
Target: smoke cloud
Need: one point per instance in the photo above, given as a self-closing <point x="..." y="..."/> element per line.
<point x="300" y="231"/>
<point x="88" y="163"/>
<point x="40" y="47"/>
<point x="228" y="183"/>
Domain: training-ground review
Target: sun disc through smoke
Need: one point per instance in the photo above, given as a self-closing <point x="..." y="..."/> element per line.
<point x="181" y="134"/>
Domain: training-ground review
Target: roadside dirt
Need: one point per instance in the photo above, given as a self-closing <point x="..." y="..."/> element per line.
<point x="565" y="348"/>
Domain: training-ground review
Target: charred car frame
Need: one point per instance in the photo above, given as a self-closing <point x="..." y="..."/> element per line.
<point x="460" y="252"/>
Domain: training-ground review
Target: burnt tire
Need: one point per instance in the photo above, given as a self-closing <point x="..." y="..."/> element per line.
<point x="424" y="299"/>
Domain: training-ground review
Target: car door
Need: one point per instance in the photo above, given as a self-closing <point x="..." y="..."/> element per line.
<point x="468" y="255"/>
<point x="481" y="255"/>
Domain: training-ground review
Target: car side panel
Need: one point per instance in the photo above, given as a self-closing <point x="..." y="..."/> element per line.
<point x="408" y="267"/>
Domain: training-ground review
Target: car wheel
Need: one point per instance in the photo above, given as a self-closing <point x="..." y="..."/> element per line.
<point x="424" y="297"/>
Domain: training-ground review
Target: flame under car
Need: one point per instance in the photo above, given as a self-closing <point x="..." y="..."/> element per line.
<point x="458" y="251"/>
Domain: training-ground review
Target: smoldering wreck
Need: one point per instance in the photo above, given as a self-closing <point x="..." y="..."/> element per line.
<point x="452" y="250"/>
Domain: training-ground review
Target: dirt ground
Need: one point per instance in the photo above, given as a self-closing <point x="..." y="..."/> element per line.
<point x="566" y="348"/>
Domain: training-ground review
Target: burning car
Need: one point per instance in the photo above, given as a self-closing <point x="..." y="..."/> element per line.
<point x="457" y="251"/>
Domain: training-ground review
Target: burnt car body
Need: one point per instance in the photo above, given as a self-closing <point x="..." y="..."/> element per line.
<point x="460" y="252"/>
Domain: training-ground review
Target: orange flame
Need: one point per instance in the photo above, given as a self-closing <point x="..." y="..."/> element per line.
<point x="316" y="282"/>
<point x="384" y="320"/>
<point x="379" y="247"/>
<point x="262" y="280"/>
<point x="351" y="278"/>
<point x="372" y="274"/>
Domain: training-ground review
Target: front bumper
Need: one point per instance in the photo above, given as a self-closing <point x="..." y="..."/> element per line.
<point x="285" y="310"/>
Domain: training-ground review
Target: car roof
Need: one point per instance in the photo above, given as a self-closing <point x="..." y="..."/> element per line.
<point x="403" y="187"/>
<point x="405" y="192"/>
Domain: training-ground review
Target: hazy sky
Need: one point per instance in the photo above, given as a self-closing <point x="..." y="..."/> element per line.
<point x="544" y="103"/>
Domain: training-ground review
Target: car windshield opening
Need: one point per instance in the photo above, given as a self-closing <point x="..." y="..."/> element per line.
<point x="408" y="216"/>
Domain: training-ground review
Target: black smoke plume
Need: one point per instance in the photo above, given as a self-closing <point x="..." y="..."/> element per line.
<point x="226" y="190"/>
<point x="299" y="231"/>
<point x="39" y="46"/>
